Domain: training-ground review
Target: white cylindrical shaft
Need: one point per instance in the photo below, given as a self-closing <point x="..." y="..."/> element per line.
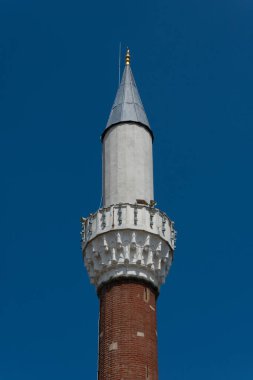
<point x="127" y="165"/>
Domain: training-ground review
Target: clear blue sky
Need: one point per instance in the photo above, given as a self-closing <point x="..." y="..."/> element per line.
<point x="193" y="64"/>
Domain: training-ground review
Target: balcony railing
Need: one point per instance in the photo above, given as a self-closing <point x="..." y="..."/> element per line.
<point x="128" y="216"/>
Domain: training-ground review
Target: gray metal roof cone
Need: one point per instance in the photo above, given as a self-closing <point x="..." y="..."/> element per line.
<point x="127" y="106"/>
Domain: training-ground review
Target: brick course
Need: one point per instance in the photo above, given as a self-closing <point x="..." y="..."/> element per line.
<point x="127" y="331"/>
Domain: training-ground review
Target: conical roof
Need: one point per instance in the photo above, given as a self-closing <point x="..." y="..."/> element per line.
<point x="127" y="106"/>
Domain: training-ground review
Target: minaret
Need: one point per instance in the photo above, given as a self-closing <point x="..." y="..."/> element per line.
<point x="128" y="244"/>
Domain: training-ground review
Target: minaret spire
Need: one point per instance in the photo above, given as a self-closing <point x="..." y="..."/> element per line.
<point x="127" y="106"/>
<point x="128" y="244"/>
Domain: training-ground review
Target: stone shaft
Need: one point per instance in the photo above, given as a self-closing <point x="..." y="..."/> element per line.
<point x="127" y="165"/>
<point x="127" y="331"/>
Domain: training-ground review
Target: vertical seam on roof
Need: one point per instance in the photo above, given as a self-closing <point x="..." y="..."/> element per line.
<point x="131" y="87"/>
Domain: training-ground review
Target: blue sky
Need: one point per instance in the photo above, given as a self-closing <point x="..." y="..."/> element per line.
<point x="192" y="61"/>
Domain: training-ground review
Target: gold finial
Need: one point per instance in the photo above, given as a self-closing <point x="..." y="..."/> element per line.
<point x="128" y="57"/>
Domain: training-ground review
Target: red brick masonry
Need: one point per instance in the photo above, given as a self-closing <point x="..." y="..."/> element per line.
<point x="127" y="331"/>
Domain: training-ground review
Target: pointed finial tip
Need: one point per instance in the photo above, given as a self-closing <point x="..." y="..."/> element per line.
<point x="128" y="57"/>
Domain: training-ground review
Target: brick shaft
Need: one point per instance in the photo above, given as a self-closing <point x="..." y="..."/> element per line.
<point x="127" y="331"/>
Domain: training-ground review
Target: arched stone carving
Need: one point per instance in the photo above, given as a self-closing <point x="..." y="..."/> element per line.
<point x="128" y="253"/>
